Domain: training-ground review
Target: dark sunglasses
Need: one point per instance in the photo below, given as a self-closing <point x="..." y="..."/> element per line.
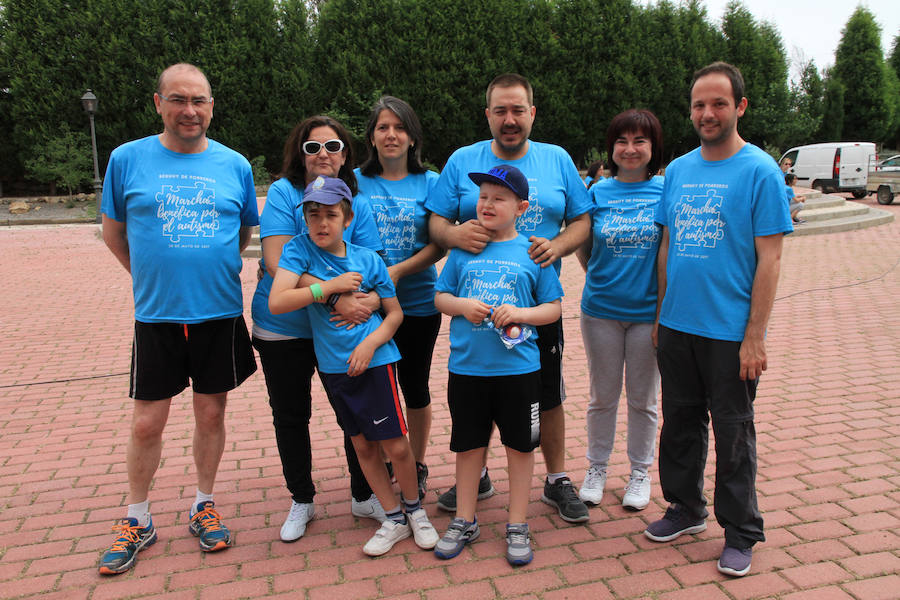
<point x="331" y="147"/>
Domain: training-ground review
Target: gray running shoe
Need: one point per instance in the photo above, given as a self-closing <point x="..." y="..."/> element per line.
<point x="459" y="533"/>
<point x="518" y="544"/>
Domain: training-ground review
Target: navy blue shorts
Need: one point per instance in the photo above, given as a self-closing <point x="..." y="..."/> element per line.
<point x="368" y="404"/>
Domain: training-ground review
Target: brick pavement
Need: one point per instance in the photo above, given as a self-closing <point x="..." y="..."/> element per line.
<point x="829" y="446"/>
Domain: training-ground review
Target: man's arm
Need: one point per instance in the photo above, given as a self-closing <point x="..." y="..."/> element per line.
<point x="762" y="296"/>
<point x="116" y="239"/>
<point x="469" y="236"/>
<point x="662" y="256"/>
<point x="416" y="263"/>
<point x="244" y="235"/>
<point x="546" y="252"/>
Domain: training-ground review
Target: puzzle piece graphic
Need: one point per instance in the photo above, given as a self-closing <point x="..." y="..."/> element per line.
<point x="698" y="222"/>
<point x="187" y="211"/>
<point x="491" y="286"/>
<point x="396" y="224"/>
<point x="533" y="216"/>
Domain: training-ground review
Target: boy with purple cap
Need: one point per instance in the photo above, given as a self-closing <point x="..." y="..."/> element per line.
<point x="357" y="364"/>
<point x="495" y="298"/>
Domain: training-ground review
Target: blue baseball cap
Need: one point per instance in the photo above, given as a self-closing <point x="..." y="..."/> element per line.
<point x="327" y="190"/>
<point x="505" y="175"/>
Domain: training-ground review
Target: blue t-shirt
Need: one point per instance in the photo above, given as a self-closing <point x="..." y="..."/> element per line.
<point x="402" y="220"/>
<point x="714" y="211"/>
<point x="502" y="273"/>
<point x="283" y="215"/>
<point x="334" y="344"/>
<point x="555" y="191"/>
<point x="621" y="281"/>
<point x="789" y="192"/>
<point x="183" y="214"/>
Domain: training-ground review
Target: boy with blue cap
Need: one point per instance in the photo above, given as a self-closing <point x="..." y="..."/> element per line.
<point x="356" y="364"/>
<point x="496" y="297"/>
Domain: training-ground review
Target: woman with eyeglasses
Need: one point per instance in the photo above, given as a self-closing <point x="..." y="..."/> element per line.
<point x="317" y="146"/>
<point x="618" y="304"/>
<point x="396" y="185"/>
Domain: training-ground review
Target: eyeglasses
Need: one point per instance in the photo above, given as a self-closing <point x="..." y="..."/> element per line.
<point x="331" y="147"/>
<point x="180" y="102"/>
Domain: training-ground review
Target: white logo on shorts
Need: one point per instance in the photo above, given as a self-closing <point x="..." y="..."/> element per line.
<point x="380" y="421"/>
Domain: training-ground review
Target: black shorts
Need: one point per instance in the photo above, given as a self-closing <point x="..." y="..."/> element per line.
<point x="415" y="339"/>
<point x="367" y="404"/>
<point x="550" y="345"/>
<point x="510" y="401"/>
<point x="216" y="356"/>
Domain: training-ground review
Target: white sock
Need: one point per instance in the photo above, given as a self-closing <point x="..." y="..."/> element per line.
<point x="200" y="497"/>
<point x="483" y="472"/>
<point x="553" y="477"/>
<point x="141" y="512"/>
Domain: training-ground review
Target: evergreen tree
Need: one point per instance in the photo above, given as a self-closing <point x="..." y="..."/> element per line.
<point x="832" y="110"/>
<point x="859" y="66"/>
<point x="804" y="119"/>
<point x="756" y="49"/>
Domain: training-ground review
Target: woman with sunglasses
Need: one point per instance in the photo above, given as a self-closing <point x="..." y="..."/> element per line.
<point x="317" y="146"/>
<point x="396" y="184"/>
<point x="618" y="304"/>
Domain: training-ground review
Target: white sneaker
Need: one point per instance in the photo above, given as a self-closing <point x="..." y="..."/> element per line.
<point x="295" y="525"/>
<point x="424" y="533"/>
<point x="368" y="509"/>
<point x="591" y="491"/>
<point x="387" y="535"/>
<point x="637" y="492"/>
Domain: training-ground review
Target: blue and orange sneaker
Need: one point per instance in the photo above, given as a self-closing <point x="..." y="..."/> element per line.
<point x="205" y="524"/>
<point x="133" y="538"/>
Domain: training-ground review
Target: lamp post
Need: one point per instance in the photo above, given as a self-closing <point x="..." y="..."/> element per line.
<point x="89" y="102"/>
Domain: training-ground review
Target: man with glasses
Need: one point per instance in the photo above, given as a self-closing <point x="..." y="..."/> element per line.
<point x="557" y="195"/>
<point x="177" y="211"/>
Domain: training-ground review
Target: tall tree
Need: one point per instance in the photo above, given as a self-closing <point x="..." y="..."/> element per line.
<point x="804" y="119"/>
<point x="894" y="64"/>
<point x="859" y="65"/>
<point x="756" y="49"/>
<point x="832" y="110"/>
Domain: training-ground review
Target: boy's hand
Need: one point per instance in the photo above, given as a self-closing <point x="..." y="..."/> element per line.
<point x="360" y="358"/>
<point x="476" y="311"/>
<point x="346" y="282"/>
<point x="506" y="314"/>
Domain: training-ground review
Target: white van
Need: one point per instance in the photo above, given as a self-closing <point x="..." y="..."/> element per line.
<point x="832" y="166"/>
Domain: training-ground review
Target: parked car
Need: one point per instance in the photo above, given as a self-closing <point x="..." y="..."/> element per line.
<point x="832" y="166"/>
<point x="890" y="164"/>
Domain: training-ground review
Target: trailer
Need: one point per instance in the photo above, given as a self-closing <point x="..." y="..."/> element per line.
<point x="884" y="184"/>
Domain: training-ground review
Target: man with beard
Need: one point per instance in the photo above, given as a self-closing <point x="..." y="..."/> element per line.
<point x="724" y="219"/>
<point x="556" y="196"/>
<point x="177" y="211"/>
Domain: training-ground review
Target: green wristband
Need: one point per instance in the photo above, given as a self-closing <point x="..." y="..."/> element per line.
<point x="316" y="290"/>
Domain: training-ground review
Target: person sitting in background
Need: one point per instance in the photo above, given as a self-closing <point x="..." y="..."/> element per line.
<point x="594" y="173"/>
<point x="795" y="203"/>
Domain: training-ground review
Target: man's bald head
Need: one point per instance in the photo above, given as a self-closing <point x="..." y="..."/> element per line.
<point x="179" y="67"/>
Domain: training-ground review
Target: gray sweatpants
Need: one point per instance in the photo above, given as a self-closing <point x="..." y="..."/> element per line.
<point x="611" y="348"/>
